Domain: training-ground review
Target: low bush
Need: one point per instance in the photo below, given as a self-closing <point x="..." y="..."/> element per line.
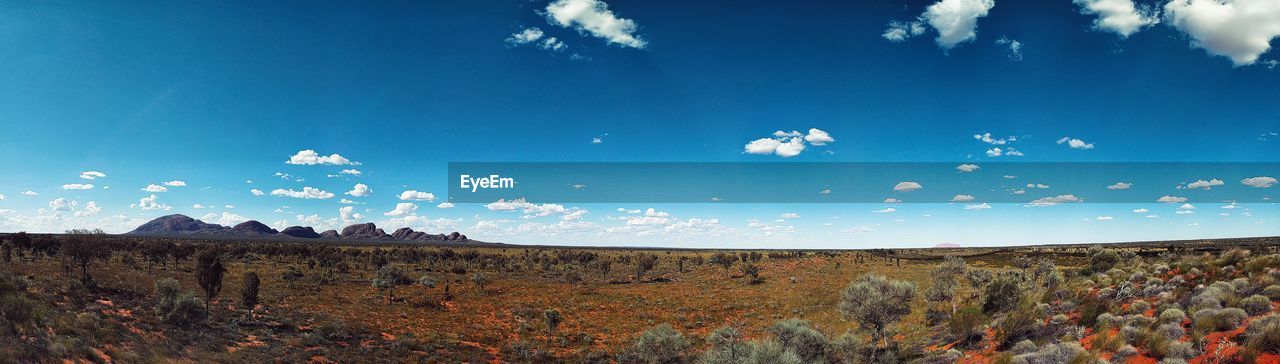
<point x="1263" y="334"/>
<point x="661" y="344"/>
<point x="1256" y="304"/>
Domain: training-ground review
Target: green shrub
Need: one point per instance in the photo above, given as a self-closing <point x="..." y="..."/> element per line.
<point x="1102" y="260"/>
<point x="1256" y="304"/>
<point x="727" y="347"/>
<point x="875" y="302"/>
<point x="661" y="344"/>
<point x="1172" y="315"/>
<point x="1264" y="334"/>
<point x="1002" y="294"/>
<point x="187" y="310"/>
<point x="966" y="324"/>
<point x="797" y="336"/>
<point x="1272" y="292"/>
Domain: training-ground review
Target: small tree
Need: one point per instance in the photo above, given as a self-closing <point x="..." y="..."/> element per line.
<point x="82" y="247"/>
<point x="209" y="272"/>
<point x="644" y="263"/>
<point x="876" y="302"/>
<point x="753" y="271"/>
<point x="389" y="276"/>
<point x="553" y="320"/>
<point x="249" y="291"/>
<point x="724" y="260"/>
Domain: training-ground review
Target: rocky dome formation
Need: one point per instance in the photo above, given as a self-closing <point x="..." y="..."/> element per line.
<point x="182" y="225"/>
<point x="305" y="232"/>
<point x="254" y="227"/>
<point x="177" y="224"/>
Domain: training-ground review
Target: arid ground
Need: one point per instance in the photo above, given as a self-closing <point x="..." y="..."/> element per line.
<point x="95" y="298"/>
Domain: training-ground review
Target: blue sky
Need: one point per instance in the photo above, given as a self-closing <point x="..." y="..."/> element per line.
<point x="217" y="93"/>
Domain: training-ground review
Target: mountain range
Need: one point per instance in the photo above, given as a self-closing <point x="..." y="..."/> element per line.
<point x="178" y="224"/>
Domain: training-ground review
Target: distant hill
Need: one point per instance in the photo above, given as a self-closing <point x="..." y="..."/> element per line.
<point x="178" y="224"/>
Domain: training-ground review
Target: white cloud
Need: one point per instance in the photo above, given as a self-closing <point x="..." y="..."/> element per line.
<point x="347" y="202"/>
<point x="30" y="193"/>
<point x="968" y="167"/>
<point x="353" y="172"/>
<point x="1231" y="206"/>
<point x="413" y="195"/>
<point x="1187" y="206"/>
<point x="1118" y="16"/>
<point x="1037" y="185"/>
<point x="89" y="209"/>
<point x="310" y="157"/>
<point x="360" y="190"/>
<point x="1104" y="218"/>
<point x="306" y="193"/>
<point x="1259" y="182"/>
<point x="1075" y="143"/>
<point x="197" y="206"/>
<point x="176" y="183"/>
<point x="1206" y="185"/>
<point x="445" y="205"/>
<point x="818" y="137"/>
<point x="402" y="209"/>
<point x="956" y="20"/>
<point x="790" y="215"/>
<point x="1141" y="211"/>
<point x="1054" y="200"/>
<point x="256" y="192"/>
<point x="150" y="203"/>
<point x="229" y="206"/>
<point x="1237" y="29"/>
<point x="980" y="206"/>
<point x="77" y="186"/>
<point x="898" y="31"/>
<point x="1014" y="47"/>
<point x="791" y="148"/>
<point x="155" y="188"/>
<point x="226" y="218"/>
<point x="885" y="210"/>
<point x="892" y="200"/>
<point x="525" y="36"/>
<point x="995" y="152"/>
<point x="91" y="175"/>
<point x="626" y="211"/>
<point x="348" y="215"/>
<point x="986" y="138"/>
<point x="788" y="144"/>
<point x="597" y="140"/>
<point x="1171" y="199"/>
<point x="1120" y="186"/>
<point x="594" y="17"/>
<point x="962" y="198"/>
<point x="907" y="186"/>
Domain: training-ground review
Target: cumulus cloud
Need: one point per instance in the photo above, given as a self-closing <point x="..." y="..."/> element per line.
<point x="884" y="210"/>
<point x="360" y="190"/>
<point x="1240" y="30"/>
<point x="445" y="205"/>
<point x="1205" y="185"/>
<point x="956" y="20"/>
<point x="968" y="167"/>
<point x="310" y="157"/>
<point x="413" y="195"/>
<point x="402" y="209"/>
<point x="986" y="138"/>
<point x="30" y="193"/>
<point x="534" y="36"/>
<point x="1259" y="182"/>
<point x="1118" y="16"/>
<point x="91" y="175"/>
<point x="1075" y="143"/>
<point x="155" y="188"/>
<point x="353" y="172"/>
<point x="1171" y="199"/>
<point x="77" y="186"/>
<point x="1141" y="211"/>
<point x="892" y="200"/>
<point x="907" y="186"/>
<point x="1120" y="186"/>
<point x="256" y="192"/>
<point x="788" y="144"/>
<point x="1104" y="218"/>
<point x="150" y="203"/>
<point x="306" y="193"/>
<point x="594" y="17"/>
<point x="1054" y="200"/>
<point x="980" y="206"/>
<point x="348" y="215"/>
<point x="790" y="215"/>
<point x="962" y="198"/>
<point x="226" y="218"/>
<point x="818" y="137"/>
<point x="176" y="183"/>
